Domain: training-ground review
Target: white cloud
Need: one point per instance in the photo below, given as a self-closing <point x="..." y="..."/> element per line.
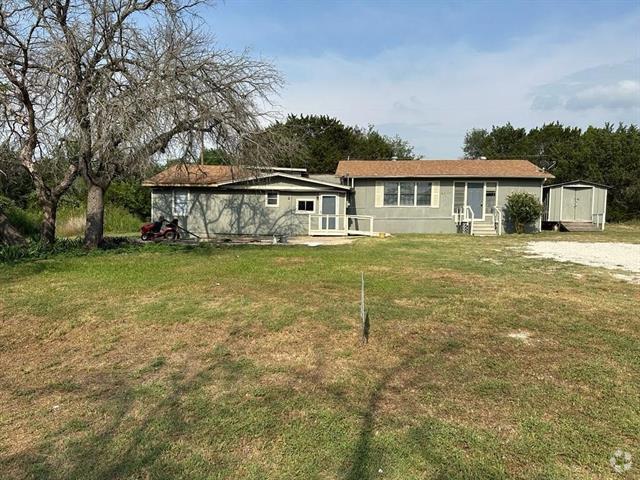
<point x="624" y="95"/>
<point x="432" y="97"/>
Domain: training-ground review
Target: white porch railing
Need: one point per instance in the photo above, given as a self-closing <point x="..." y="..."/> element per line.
<point x="320" y="224"/>
<point x="497" y="219"/>
<point x="360" y="225"/>
<point x="464" y="215"/>
<point x="468" y="213"/>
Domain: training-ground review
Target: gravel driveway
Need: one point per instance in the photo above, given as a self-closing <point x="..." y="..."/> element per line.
<point x="615" y="256"/>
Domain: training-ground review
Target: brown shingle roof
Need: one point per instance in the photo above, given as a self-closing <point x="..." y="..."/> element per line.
<point x="441" y="168"/>
<point x="182" y="175"/>
<point x="199" y="175"/>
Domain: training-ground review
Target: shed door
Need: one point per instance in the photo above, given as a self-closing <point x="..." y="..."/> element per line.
<point x="577" y="204"/>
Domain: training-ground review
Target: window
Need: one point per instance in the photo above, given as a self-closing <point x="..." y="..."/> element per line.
<point x="458" y="197"/>
<point x="490" y="201"/>
<point x="390" y="194"/>
<point x="272" y="199"/>
<point x="407" y="194"/>
<point x="306" y="206"/>
<point x="423" y="194"/>
<point x="180" y="203"/>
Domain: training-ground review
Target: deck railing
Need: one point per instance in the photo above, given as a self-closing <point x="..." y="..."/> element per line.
<point x="320" y="224"/>
<point x="470" y="217"/>
<point x="464" y="216"/>
<point x="497" y="219"/>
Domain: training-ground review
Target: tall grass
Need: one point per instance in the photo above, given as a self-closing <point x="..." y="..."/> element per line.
<point x="118" y="220"/>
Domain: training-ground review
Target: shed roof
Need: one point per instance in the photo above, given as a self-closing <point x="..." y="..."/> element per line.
<point x="574" y="182"/>
<point x="441" y="168"/>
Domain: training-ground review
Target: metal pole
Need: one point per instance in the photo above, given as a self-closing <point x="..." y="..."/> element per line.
<point x="363" y="312"/>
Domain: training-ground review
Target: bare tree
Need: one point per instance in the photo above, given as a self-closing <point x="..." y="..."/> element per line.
<point x="140" y="80"/>
<point x="32" y="107"/>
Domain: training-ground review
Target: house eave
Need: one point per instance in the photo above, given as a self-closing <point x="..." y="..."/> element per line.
<point x="527" y="177"/>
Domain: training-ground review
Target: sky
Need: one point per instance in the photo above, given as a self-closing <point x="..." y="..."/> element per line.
<point x="430" y="71"/>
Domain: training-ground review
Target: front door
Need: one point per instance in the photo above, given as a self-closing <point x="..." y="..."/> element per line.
<point x="475" y="199"/>
<point x="328" y="207"/>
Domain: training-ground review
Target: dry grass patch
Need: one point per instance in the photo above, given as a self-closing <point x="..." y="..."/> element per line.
<point x="245" y="362"/>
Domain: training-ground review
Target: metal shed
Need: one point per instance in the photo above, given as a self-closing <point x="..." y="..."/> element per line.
<point x="575" y="206"/>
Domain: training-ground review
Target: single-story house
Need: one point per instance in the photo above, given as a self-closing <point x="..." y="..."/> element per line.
<point x="575" y="206"/>
<point x="362" y="197"/>
<point x="439" y="196"/>
<point x="211" y="200"/>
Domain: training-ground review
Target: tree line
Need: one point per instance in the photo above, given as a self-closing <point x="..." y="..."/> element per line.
<point x="95" y="95"/>
<point x="609" y="155"/>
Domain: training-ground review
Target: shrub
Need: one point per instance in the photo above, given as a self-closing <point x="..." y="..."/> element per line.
<point x="522" y="209"/>
<point x="27" y="222"/>
<point x="62" y="246"/>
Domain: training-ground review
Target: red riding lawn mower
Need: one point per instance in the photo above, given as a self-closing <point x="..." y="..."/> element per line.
<point x="159" y="231"/>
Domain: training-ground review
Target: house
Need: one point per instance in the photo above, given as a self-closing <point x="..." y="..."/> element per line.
<point x="438" y="196"/>
<point x="362" y="197"/>
<point x="575" y="206"/>
<point x="211" y="200"/>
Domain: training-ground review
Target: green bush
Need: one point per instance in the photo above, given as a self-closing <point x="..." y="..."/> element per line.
<point x="119" y="220"/>
<point x="63" y="246"/>
<point x="130" y="195"/>
<point x="26" y="221"/>
<point x="522" y="209"/>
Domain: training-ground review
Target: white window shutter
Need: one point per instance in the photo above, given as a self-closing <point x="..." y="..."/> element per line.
<point x="379" y="194"/>
<point x="435" y="194"/>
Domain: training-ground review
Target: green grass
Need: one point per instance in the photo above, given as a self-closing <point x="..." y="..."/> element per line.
<point x="244" y="362"/>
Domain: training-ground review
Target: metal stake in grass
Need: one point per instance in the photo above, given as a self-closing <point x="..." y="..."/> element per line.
<point x="364" y="315"/>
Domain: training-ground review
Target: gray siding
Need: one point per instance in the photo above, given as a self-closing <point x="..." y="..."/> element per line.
<point x="553" y="205"/>
<point x="421" y="219"/>
<point x="429" y="219"/>
<point x="560" y="201"/>
<point x="511" y="185"/>
<point x="240" y="212"/>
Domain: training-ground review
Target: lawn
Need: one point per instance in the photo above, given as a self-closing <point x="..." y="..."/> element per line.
<point x="245" y="362"/>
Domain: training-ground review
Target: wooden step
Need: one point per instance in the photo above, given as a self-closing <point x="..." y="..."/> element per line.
<point x="579" y="227"/>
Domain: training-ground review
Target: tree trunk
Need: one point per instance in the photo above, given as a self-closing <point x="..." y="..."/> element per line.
<point x="8" y="233"/>
<point x="48" y="226"/>
<point x="94" y="231"/>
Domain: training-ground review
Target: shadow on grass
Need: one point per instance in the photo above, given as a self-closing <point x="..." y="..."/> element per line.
<point x="362" y="464"/>
<point x="130" y="444"/>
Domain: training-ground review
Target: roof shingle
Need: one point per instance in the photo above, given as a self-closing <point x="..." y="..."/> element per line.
<point x="441" y="168"/>
<point x="200" y="175"/>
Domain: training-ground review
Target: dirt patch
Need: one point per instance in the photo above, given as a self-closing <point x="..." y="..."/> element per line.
<point x="613" y="256"/>
<point x="321" y="241"/>
<point x="521" y="335"/>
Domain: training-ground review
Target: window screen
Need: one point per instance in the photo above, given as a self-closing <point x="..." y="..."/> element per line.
<point x="272" y="199"/>
<point x="423" y="193"/>
<point x="391" y="193"/>
<point x="307" y="206"/>
<point x="458" y="199"/>
<point x="407" y="193"/>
